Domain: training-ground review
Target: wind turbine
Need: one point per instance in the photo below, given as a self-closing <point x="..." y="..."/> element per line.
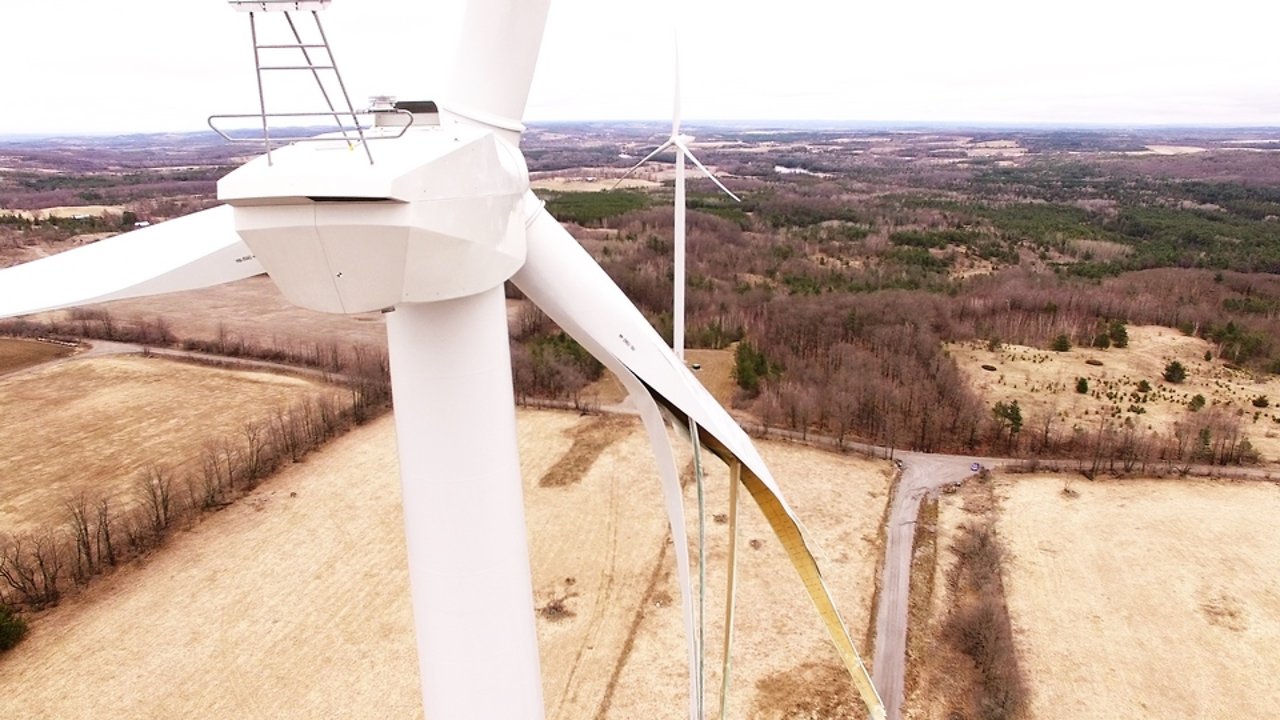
<point x="681" y="143"/>
<point x="428" y="232"/>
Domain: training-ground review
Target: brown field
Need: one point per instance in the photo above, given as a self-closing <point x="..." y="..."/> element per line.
<point x="580" y="183"/>
<point x="1138" y="598"/>
<point x="297" y="606"/>
<point x="251" y="310"/>
<point x="19" y="354"/>
<point x="91" y="424"/>
<point x="67" y="211"/>
<point x="715" y="373"/>
<point x="1044" y="382"/>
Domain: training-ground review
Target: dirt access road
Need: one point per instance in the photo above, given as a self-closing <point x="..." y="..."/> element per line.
<point x="921" y="474"/>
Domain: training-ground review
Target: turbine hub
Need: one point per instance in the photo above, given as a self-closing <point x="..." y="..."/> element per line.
<point x="439" y="216"/>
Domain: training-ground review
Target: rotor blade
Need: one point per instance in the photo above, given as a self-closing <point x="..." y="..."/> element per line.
<point x="668" y="474"/>
<point x="562" y="279"/>
<point x="731" y="588"/>
<point x="673" y="500"/>
<point x="190" y="252"/>
<point x="493" y="68"/>
<point x="689" y="154"/>
<point x="646" y="159"/>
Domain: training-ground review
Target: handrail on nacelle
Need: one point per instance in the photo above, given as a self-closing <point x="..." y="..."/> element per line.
<point x="360" y="129"/>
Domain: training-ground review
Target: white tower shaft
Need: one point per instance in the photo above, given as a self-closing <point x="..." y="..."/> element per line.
<point x="464" y="510"/>
<point x="677" y="320"/>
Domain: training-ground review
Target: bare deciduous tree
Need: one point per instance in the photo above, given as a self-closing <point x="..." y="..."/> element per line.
<point x="155" y="492"/>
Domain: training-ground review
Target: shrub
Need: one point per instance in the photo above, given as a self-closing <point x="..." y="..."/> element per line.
<point x="1261" y="401"/>
<point x="1144" y="386"/>
<point x="751" y="367"/>
<point x="979" y="625"/>
<point x="1062" y="343"/>
<point x="1082" y="386"/>
<point x="1196" y="403"/>
<point x="1118" y="335"/>
<point x="1174" y="372"/>
<point x="12" y="628"/>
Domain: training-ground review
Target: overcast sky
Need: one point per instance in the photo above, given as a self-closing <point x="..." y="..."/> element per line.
<point x="149" y="65"/>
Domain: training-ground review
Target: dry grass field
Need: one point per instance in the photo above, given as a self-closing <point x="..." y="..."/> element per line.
<point x="293" y="603"/>
<point x="714" y="371"/>
<point x="590" y="183"/>
<point x="1136" y="598"/>
<point x="91" y="424"/>
<point x="16" y="355"/>
<point x="68" y="211"/>
<point x="252" y="310"/>
<point x="1044" y="382"/>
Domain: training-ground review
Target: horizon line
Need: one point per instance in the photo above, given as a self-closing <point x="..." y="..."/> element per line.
<point x="759" y="123"/>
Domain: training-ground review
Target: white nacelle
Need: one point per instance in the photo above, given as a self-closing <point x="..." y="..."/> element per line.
<point x="438" y="216"/>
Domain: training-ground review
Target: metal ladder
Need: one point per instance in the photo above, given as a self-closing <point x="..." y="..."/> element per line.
<point x="324" y="62"/>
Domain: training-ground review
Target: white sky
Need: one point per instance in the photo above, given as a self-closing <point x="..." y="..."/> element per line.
<point x="149" y="65"/>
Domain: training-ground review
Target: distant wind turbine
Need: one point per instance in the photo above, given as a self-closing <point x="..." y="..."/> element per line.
<point x="681" y="144"/>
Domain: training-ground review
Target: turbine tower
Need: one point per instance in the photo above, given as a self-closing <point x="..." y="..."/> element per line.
<point x="681" y="144"/>
<point x="425" y="224"/>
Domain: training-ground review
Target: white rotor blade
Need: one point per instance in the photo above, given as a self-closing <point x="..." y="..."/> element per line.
<point x="647" y="158"/>
<point x="673" y="501"/>
<point x="562" y="279"/>
<point x="668" y="474"/>
<point x="493" y="68"/>
<point x="689" y="154"/>
<point x="187" y="253"/>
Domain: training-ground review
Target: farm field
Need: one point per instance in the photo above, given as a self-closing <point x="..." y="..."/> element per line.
<point x="18" y="354"/>
<point x="300" y="605"/>
<point x="1136" y="598"/>
<point x="1044" y="384"/>
<point x="92" y="424"/>
<point x="252" y="310"/>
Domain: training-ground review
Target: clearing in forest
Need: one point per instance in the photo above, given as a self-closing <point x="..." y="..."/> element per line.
<point x="1046" y="386"/>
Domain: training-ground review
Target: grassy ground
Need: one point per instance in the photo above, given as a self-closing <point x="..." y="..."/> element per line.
<point x="1044" y="384"/>
<point x="1146" y="599"/>
<point x="1132" y="598"/>
<point x="90" y="425"/>
<point x="302" y="606"/>
<point x="19" y="354"/>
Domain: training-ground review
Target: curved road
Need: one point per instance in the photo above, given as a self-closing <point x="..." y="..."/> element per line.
<point x="922" y="474"/>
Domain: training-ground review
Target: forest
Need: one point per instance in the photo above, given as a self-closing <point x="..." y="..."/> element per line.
<point x="843" y="285"/>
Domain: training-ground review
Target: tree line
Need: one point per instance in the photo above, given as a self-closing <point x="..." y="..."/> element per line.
<point x="100" y="531"/>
